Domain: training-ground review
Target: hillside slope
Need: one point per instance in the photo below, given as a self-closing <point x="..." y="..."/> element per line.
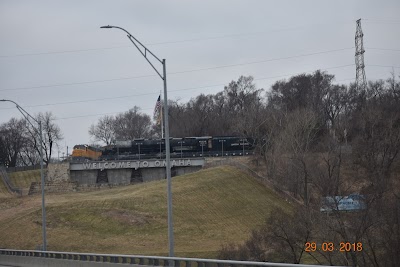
<point x="22" y="180"/>
<point x="3" y="190"/>
<point x="210" y="207"/>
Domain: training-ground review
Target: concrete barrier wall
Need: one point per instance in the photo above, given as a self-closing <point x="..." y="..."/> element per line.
<point x="120" y="177"/>
<point x="84" y="177"/>
<point x="57" y="172"/>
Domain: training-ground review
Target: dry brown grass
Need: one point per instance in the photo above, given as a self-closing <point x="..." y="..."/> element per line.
<point x="210" y="208"/>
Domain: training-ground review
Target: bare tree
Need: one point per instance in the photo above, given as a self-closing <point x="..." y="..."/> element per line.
<point x="51" y="135"/>
<point x="104" y="130"/>
<point x="13" y="140"/>
<point x="298" y="137"/>
<point x="132" y="124"/>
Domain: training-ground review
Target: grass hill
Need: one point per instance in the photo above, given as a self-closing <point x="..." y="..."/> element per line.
<point x="210" y="207"/>
<point x="22" y="180"/>
<point x="3" y="190"/>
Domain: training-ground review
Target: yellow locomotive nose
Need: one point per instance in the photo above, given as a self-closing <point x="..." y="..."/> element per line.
<point x="82" y="152"/>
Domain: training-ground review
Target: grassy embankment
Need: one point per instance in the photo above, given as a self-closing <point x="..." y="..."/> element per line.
<point x="210" y="207"/>
<point x="22" y="179"/>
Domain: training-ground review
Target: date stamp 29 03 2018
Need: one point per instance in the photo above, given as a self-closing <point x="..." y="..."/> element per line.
<point x="330" y="246"/>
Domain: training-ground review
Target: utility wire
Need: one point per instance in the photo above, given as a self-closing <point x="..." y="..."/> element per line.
<point x="155" y="93"/>
<point x="383" y="66"/>
<point x="384" y="21"/>
<point x="177" y="72"/>
<point x="177" y="90"/>
<point x="261" y="61"/>
<point x="186" y="89"/>
<point x="224" y="36"/>
<point x="63" y="52"/>
<point x="95" y="115"/>
<point x="383" y="49"/>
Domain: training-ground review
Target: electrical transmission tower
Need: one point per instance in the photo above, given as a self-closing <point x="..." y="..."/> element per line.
<point x="359" y="57"/>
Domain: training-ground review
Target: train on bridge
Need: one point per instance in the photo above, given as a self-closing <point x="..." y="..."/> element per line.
<point x="205" y="146"/>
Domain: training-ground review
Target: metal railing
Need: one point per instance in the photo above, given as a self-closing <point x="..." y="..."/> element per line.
<point x="142" y="260"/>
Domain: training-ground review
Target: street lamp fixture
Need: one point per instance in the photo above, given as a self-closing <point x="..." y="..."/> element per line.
<point x="27" y="116"/>
<point x="145" y="53"/>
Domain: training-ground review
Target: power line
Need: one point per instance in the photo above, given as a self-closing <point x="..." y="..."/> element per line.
<point x="178" y="72"/>
<point x="261" y="61"/>
<point x="177" y="90"/>
<point x="63" y="51"/>
<point x="95" y="115"/>
<point x="384" y="21"/>
<point x="78" y="83"/>
<point x="155" y="93"/>
<point x="224" y="36"/>
<point x="383" y="49"/>
<point x="383" y="66"/>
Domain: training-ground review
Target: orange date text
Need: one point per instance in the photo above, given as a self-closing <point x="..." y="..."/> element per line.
<point x="330" y="246"/>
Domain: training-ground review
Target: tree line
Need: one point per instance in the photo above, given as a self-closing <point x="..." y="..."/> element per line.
<point x="325" y="140"/>
<point x="20" y="143"/>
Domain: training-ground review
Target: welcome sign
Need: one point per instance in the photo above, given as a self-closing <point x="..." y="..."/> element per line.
<point x="104" y="165"/>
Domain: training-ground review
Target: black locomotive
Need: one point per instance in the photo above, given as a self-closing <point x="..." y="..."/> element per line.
<point x="205" y="146"/>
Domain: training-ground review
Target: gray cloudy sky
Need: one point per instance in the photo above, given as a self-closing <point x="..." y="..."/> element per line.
<point x="54" y="57"/>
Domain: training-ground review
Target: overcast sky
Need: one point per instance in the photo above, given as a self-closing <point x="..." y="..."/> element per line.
<point x="54" y="56"/>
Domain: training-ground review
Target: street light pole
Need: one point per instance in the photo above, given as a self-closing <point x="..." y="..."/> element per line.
<point x="163" y="76"/>
<point x="25" y="114"/>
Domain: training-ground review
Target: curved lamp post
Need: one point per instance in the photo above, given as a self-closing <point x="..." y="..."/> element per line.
<point x="27" y="116"/>
<point x="145" y="53"/>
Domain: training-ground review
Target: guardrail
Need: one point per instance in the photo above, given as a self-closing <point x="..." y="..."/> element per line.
<point x="121" y="260"/>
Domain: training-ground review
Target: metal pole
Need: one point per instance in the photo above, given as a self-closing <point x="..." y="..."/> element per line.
<point x="42" y="187"/>
<point x="162" y="124"/>
<point x="243" y="146"/>
<point x="139" y="149"/>
<point x="168" y="168"/>
<point x="166" y="133"/>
